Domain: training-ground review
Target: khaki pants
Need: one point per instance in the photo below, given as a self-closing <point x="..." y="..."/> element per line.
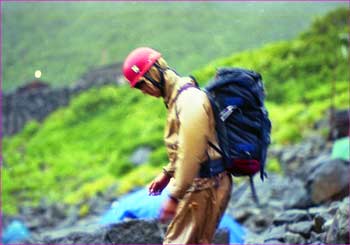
<point x="199" y="214"/>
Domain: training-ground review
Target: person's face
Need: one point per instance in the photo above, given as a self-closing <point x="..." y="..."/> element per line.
<point x="146" y="88"/>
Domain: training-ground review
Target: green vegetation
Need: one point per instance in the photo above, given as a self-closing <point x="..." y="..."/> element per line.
<point x="299" y="74"/>
<point x="64" y="40"/>
<point x="83" y="149"/>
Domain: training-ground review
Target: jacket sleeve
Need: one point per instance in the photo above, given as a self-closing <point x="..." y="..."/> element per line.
<point x="193" y="141"/>
<point x="169" y="169"/>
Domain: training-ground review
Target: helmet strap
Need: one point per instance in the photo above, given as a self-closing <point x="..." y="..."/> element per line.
<point x="155" y="83"/>
<point x="160" y="85"/>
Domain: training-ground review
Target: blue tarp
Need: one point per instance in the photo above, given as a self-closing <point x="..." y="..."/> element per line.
<point x="139" y="205"/>
<point x="16" y="231"/>
<point x="341" y="149"/>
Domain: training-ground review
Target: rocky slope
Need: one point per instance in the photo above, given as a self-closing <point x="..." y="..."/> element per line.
<point x="308" y="204"/>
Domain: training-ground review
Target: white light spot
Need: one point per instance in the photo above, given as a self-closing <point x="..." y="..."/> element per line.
<point x="37" y="74"/>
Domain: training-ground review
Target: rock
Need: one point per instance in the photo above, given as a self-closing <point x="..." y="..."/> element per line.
<point x="305" y="170"/>
<point x="78" y="238"/>
<point x="296" y="199"/>
<point x="253" y="238"/>
<point x="128" y="232"/>
<point x="329" y="181"/>
<point x="319" y="220"/>
<point x="241" y="215"/>
<point x="135" y="231"/>
<point x="287" y="213"/>
<point x="339" y="230"/>
<point x="276" y="233"/>
<point x="275" y="189"/>
<point x="140" y="155"/>
<point x="316" y="238"/>
<point x="72" y="217"/>
<point x="292" y="238"/>
<point x="221" y="237"/>
<point x="292" y="216"/>
<point x="289" y="155"/>
<point x="260" y="222"/>
<point x="303" y="228"/>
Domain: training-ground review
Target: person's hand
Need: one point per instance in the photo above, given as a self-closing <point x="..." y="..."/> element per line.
<point x="168" y="210"/>
<point x="158" y="184"/>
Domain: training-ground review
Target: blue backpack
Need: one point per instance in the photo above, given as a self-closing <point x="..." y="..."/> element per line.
<point x="242" y="124"/>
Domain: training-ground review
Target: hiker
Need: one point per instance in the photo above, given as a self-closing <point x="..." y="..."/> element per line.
<point x="197" y="200"/>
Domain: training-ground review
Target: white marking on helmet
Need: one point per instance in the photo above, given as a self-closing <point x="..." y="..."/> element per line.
<point x="135" y="69"/>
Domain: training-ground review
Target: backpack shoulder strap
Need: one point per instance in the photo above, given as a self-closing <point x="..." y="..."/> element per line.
<point x="183" y="88"/>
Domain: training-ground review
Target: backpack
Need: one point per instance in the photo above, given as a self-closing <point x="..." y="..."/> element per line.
<point x="242" y="124"/>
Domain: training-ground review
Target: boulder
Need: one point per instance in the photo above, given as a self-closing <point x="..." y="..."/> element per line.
<point x="330" y="181"/>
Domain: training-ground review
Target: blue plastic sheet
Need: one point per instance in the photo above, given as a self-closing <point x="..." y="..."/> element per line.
<point x="341" y="149"/>
<point x="15" y="232"/>
<point x="139" y="205"/>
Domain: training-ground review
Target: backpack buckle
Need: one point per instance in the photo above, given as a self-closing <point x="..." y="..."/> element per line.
<point x="225" y="113"/>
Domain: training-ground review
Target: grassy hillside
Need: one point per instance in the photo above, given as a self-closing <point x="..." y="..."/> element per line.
<point x="299" y="74"/>
<point x="85" y="148"/>
<point x="63" y="40"/>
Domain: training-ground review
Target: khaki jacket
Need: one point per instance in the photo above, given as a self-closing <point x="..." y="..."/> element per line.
<point x="190" y="126"/>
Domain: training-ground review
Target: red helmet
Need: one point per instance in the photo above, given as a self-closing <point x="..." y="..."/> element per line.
<point x="138" y="62"/>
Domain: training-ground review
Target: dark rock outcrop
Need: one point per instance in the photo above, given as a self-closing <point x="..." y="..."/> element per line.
<point x="36" y="99"/>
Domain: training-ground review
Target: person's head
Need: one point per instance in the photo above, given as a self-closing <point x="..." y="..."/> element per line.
<point x="144" y="69"/>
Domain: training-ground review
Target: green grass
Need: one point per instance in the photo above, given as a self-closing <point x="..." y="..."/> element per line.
<point x="298" y="75"/>
<point x="84" y="148"/>
<point x="64" y="40"/>
<point x="77" y="146"/>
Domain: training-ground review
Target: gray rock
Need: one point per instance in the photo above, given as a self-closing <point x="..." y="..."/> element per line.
<point x="128" y="232"/>
<point x="241" y="215"/>
<point x="276" y="233"/>
<point x="339" y="230"/>
<point x="292" y="238"/>
<point x="296" y="199"/>
<point x="289" y="155"/>
<point x="260" y="222"/>
<point x="291" y="216"/>
<point x="275" y="189"/>
<point x="140" y="155"/>
<point x="328" y="181"/>
<point x="135" y="231"/>
<point x="303" y="228"/>
<point x="221" y="237"/>
<point x="316" y="238"/>
<point x="78" y="238"/>
<point x="311" y="165"/>
<point x="253" y="238"/>
<point x="318" y="210"/>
